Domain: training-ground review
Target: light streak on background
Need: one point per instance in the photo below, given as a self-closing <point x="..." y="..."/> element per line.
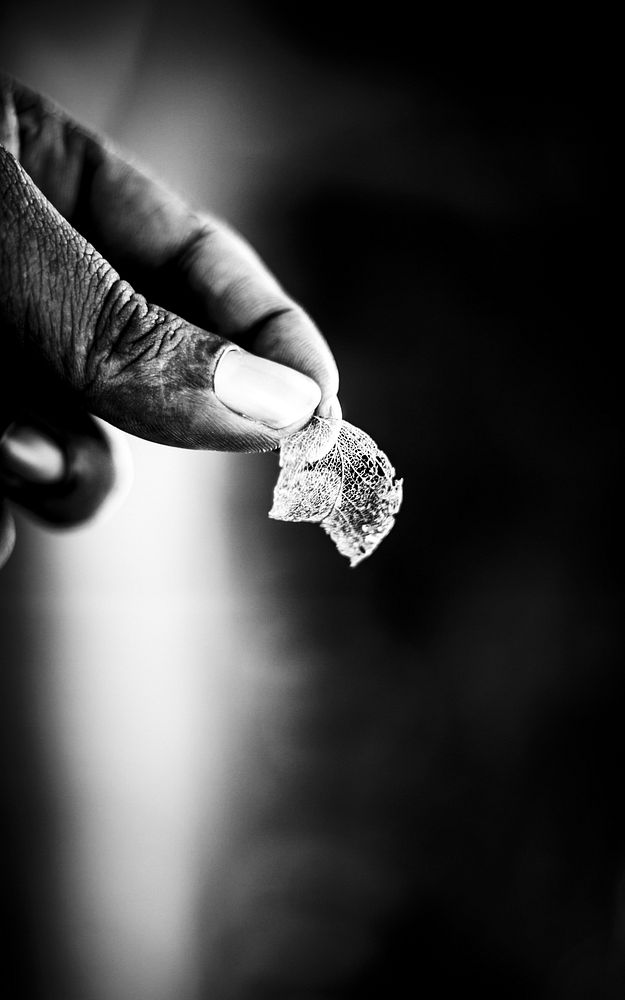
<point x="137" y="683"/>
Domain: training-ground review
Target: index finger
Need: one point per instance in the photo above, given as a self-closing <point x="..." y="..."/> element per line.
<point x="185" y="260"/>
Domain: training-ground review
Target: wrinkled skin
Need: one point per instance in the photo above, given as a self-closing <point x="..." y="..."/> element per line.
<point x="118" y="299"/>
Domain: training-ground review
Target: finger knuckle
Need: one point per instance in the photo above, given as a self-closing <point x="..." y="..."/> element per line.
<point x="133" y="339"/>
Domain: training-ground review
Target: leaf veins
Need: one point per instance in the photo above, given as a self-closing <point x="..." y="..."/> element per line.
<point x="334" y="474"/>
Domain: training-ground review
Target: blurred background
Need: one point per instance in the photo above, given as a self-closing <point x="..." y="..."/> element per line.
<point x="232" y="767"/>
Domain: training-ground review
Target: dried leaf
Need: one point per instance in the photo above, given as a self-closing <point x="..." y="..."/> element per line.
<point x="333" y="474"/>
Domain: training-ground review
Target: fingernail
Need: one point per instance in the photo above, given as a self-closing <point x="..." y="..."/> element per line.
<point x="31" y="455"/>
<point x="263" y="390"/>
<point x="331" y="409"/>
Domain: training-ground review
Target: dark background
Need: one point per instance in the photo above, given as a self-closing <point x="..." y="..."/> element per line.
<point x="432" y="773"/>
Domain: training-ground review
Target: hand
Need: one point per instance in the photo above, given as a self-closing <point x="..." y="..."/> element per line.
<point x="203" y="350"/>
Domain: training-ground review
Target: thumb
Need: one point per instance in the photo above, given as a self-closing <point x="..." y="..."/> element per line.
<point x="133" y="363"/>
